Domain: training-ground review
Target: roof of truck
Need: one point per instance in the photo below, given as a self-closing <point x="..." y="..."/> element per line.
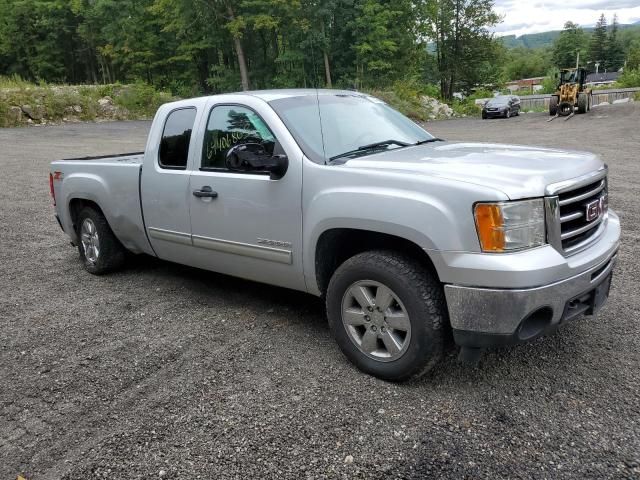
<point x="267" y="95"/>
<point x="270" y="95"/>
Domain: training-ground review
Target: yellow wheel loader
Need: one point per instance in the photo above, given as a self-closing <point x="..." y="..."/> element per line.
<point x="571" y="94"/>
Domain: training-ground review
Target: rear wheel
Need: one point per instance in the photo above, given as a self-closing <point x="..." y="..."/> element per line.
<point x="583" y="103"/>
<point x="553" y="105"/>
<point x="387" y="314"/>
<point x="100" y="251"/>
<point x="507" y="114"/>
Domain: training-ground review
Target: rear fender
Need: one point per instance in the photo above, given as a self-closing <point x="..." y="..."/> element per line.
<point x="120" y="205"/>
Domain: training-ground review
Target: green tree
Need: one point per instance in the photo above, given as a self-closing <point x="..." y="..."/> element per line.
<point x="571" y="42"/>
<point x="633" y="58"/>
<point x="466" y="51"/>
<point x="523" y="62"/>
<point x="386" y="41"/>
<point x="550" y="82"/>
<point x="615" y="50"/>
<point x="38" y="40"/>
<point x="598" y="44"/>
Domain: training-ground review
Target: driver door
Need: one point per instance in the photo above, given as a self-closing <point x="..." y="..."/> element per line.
<point x="243" y="223"/>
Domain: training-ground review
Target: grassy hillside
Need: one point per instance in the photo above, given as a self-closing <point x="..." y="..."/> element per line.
<point x="546" y="39"/>
<point x="24" y="103"/>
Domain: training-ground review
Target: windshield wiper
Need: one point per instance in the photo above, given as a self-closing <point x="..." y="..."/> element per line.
<point x="430" y="140"/>
<point x="371" y="146"/>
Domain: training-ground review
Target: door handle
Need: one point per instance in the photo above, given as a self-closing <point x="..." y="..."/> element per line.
<point x="205" y="192"/>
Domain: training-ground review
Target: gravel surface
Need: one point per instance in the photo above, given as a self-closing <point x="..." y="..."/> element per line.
<point x="164" y="371"/>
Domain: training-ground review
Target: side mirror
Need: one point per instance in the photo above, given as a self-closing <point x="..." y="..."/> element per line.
<point x="252" y="157"/>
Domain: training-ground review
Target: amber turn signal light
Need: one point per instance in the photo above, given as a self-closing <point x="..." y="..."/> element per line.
<point x="490" y="223"/>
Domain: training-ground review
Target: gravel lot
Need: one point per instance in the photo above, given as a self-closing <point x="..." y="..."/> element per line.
<point x="163" y="371"/>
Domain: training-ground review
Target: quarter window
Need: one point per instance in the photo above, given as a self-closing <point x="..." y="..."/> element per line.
<point x="174" y="146"/>
<point x="231" y="125"/>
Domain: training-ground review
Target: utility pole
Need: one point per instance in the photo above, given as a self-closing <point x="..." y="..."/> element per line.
<point x="578" y="60"/>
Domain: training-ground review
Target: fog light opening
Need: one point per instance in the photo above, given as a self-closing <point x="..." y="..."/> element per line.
<point x="535" y="323"/>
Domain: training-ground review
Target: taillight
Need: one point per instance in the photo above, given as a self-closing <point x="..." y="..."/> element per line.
<point x="53" y="192"/>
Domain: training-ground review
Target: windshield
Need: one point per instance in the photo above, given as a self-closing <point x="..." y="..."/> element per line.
<point x="498" y="101"/>
<point x="344" y="123"/>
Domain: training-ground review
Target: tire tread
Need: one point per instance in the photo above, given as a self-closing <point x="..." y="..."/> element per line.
<point x="112" y="253"/>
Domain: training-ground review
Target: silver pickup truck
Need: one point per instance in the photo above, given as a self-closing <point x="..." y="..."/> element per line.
<point x="411" y="240"/>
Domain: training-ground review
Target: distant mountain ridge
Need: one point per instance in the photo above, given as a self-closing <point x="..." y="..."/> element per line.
<point x="546" y="39"/>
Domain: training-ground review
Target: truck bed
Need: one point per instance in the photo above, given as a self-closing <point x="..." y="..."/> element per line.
<point x="135" y="157"/>
<point x="113" y="183"/>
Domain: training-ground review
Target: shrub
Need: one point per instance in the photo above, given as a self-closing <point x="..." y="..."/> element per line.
<point x="141" y="99"/>
<point x="629" y="79"/>
<point x="468" y="106"/>
<point x="411" y="107"/>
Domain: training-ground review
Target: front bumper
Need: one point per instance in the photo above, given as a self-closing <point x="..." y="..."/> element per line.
<point x="495" y="114"/>
<point x="484" y="318"/>
<point x="512" y="298"/>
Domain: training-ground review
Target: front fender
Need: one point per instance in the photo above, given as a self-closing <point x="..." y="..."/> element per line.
<point x="421" y="218"/>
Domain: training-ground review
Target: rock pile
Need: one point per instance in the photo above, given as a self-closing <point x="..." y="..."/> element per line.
<point x="436" y="109"/>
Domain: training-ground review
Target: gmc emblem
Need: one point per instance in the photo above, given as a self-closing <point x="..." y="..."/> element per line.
<point x="597" y="208"/>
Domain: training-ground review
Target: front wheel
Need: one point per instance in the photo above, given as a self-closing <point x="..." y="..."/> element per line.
<point x="553" y="105"/>
<point x="100" y="251"/>
<point x="388" y="315"/>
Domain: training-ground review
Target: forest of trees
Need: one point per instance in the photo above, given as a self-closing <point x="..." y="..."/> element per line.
<point x="222" y="45"/>
<point x="195" y="46"/>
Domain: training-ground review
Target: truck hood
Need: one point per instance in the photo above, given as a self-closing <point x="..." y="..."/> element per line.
<point x="516" y="170"/>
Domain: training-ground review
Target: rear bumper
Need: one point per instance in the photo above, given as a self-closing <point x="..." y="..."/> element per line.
<point x="484" y="318"/>
<point x="59" y="222"/>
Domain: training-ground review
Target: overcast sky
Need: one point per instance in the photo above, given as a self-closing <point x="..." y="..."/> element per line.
<point x="531" y="16"/>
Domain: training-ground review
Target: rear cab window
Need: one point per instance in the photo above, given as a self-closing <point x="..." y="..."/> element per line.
<point x="176" y="137"/>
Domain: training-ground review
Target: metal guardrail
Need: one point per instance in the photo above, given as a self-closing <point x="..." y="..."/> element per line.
<point x="532" y="102"/>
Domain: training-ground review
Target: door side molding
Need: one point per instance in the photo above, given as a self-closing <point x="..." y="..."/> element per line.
<point x="170" y="236"/>
<point x="271" y="254"/>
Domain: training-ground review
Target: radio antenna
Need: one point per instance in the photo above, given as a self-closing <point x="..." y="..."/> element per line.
<point x="315" y="82"/>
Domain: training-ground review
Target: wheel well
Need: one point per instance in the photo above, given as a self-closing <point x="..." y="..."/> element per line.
<point x="75" y="207"/>
<point x="338" y="245"/>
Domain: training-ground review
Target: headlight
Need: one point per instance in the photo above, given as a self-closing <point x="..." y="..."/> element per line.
<point x="509" y="226"/>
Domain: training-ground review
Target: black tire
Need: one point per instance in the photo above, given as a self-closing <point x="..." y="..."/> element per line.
<point x="553" y="105"/>
<point x="583" y="103"/>
<point x="111" y="255"/>
<point x="565" y="109"/>
<point x="484" y="116"/>
<point x="507" y="114"/>
<point x="420" y="293"/>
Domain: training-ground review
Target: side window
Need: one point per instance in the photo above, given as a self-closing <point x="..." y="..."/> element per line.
<point x="231" y="125"/>
<point x="174" y="146"/>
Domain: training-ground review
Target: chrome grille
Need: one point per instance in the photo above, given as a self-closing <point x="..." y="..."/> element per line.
<point x="577" y="214"/>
